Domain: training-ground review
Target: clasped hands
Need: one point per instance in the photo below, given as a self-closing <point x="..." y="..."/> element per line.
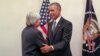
<point x="46" y="48"/>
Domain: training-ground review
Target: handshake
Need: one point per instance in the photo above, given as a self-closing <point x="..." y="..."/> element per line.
<point x="46" y="48"/>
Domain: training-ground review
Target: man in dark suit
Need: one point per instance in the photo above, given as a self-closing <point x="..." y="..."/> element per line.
<point x="59" y="33"/>
<point x="32" y="39"/>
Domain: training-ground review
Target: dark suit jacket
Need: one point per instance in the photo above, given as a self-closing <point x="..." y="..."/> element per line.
<point x="61" y="38"/>
<point x="31" y="42"/>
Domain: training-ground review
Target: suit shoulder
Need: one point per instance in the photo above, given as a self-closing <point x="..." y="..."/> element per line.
<point x="66" y="21"/>
<point x="30" y="30"/>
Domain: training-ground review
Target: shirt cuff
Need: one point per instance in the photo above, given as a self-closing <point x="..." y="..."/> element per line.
<point x="52" y="47"/>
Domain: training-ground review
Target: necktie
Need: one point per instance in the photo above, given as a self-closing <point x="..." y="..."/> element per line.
<point x="54" y="26"/>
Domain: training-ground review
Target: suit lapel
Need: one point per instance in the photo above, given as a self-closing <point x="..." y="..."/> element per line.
<point x="52" y="36"/>
<point x="58" y="26"/>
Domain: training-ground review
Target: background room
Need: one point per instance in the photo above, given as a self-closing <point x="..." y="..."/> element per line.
<point x="13" y="15"/>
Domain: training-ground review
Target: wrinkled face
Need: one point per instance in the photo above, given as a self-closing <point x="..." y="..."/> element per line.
<point x="54" y="12"/>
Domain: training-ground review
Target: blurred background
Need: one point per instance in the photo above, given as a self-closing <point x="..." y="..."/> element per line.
<point x="13" y="15"/>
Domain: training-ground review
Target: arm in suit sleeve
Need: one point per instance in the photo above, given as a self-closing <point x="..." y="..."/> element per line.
<point x="67" y="32"/>
<point x="39" y="39"/>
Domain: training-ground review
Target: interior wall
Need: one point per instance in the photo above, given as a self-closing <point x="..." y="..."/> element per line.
<point x="12" y="22"/>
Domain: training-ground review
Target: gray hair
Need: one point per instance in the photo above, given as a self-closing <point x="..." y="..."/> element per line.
<point x="31" y="18"/>
<point x="56" y="4"/>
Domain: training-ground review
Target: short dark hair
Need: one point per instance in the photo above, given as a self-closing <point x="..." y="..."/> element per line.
<point x="56" y="4"/>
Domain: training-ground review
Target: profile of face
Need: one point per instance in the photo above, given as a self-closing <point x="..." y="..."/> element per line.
<point x="54" y="12"/>
<point x="37" y="23"/>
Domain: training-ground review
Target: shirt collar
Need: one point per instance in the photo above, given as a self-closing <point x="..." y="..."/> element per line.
<point x="57" y="20"/>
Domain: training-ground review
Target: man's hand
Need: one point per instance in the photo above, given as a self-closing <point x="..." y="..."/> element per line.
<point x="46" y="48"/>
